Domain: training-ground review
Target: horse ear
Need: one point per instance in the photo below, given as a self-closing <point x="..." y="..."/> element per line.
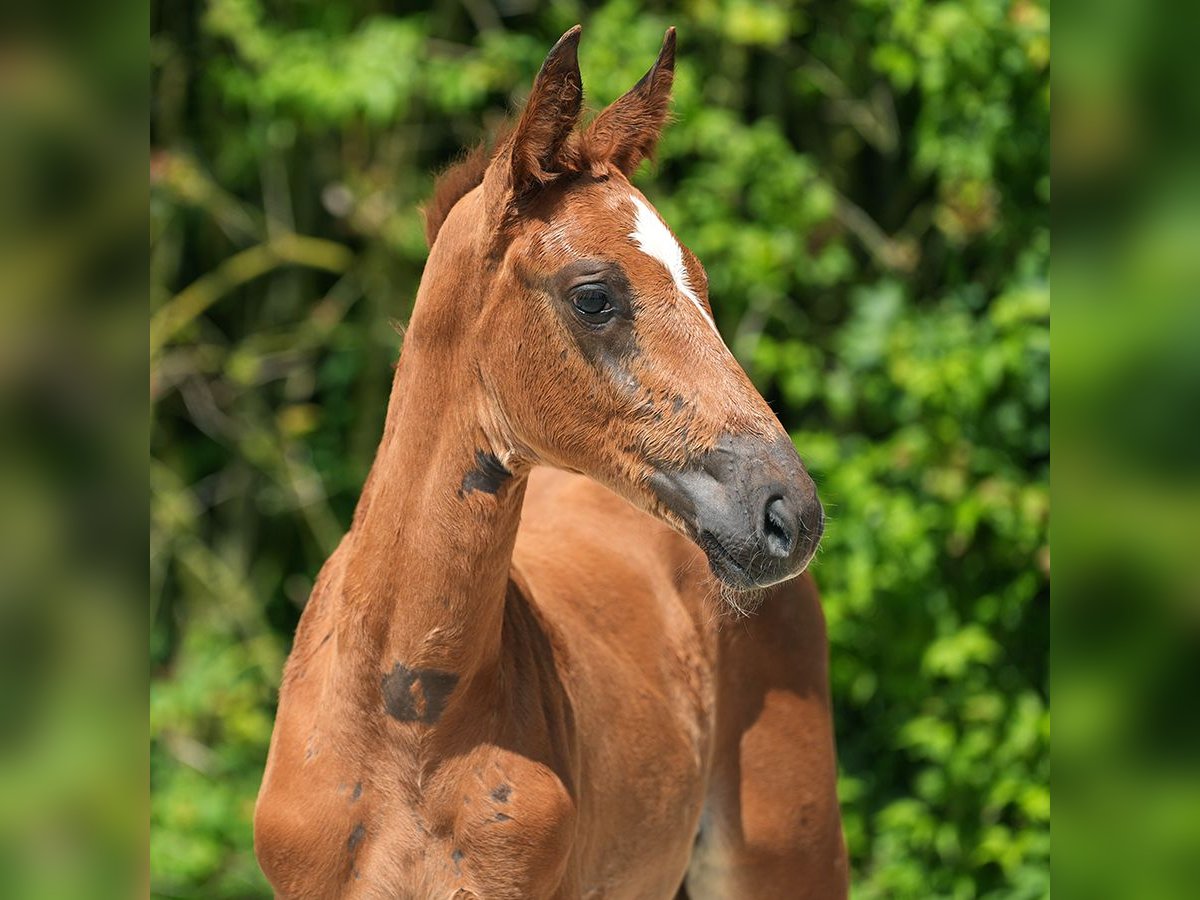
<point x="628" y="130"/>
<point x="550" y="115"/>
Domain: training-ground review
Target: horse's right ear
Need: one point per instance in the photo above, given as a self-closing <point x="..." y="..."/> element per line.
<point x="549" y="117"/>
<point x="627" y="131"/>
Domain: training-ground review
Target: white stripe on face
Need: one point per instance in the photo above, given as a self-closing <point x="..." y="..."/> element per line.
<point x="655" y="239"/>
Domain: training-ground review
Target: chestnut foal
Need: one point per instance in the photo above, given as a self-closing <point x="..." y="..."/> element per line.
<point x="512" y="682"/>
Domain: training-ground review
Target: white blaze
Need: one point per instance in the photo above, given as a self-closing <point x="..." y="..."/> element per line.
<point x="655" y="239"/>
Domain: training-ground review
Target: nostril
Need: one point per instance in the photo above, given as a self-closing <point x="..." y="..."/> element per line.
<point x="777" y="528"/>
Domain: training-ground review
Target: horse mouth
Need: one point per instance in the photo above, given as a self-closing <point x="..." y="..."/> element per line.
<point x="724" y="564"/>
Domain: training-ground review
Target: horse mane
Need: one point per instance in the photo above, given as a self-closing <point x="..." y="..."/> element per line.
<point x="454" y="183"/>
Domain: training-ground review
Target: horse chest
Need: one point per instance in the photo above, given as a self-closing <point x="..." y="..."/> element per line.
<point x="487" y="823"/>
<point x="540" y="780"/>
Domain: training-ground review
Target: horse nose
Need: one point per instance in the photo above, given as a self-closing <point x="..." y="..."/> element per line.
<point x="791" y="524"/>
<point x="777" y="528"/>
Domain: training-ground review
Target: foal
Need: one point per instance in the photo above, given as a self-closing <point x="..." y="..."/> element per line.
<point x="509" y="682"/>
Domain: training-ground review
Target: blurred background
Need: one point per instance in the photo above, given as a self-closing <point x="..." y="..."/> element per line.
<point x="73" y="433"/>
<point x="1126" y="617"/>
<point x="867" y="183"/>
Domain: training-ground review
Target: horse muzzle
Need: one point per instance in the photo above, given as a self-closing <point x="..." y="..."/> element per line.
<point x="750" y="505"/>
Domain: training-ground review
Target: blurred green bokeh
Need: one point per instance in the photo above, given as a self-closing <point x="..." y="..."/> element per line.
<point x="1127" y="452"/>
<point x="73" y="433"/>
<point x="867" y="183"/>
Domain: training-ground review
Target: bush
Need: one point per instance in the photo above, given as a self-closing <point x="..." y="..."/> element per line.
<point x="867" y="184"/>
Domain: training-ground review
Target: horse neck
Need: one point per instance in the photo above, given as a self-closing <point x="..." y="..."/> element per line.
<point x="429" y="553"/>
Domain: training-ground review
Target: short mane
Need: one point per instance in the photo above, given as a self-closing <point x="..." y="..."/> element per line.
<point x="452" y="185"/>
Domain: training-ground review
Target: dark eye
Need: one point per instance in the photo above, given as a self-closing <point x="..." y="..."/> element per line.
<point x="592" y="303"/>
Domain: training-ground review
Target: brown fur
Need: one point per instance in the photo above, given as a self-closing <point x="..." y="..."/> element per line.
<point x="512" y="682"/>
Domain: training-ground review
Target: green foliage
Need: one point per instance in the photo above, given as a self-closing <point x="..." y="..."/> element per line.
<point x="867" y="183"/>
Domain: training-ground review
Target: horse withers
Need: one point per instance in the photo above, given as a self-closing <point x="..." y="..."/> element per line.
<point x="524" y="672"/>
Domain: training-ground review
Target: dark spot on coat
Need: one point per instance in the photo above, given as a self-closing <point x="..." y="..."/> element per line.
<point x="488" y="475"/>
<point x="457" y="857"/>
<point x="357" y="792"/>
<point x="356" y="837"/>
<point x="677" y="403"/>
<point x="502" y="793"/>
<point x="417" y="695"/>
<point x="502" y="817"/>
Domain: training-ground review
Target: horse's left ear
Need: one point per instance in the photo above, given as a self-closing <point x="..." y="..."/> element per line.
<point x="549" y="117"/>
<point x="628" y="130"/>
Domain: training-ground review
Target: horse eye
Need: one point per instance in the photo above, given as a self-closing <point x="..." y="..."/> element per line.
<point x="591" y="302"/>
